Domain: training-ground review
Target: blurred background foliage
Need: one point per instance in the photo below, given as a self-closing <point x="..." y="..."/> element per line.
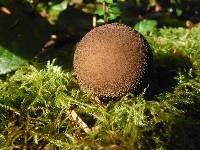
<point x="57" y="25"/>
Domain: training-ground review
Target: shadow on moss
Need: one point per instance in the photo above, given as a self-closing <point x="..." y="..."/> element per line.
<point x="185" y="135"/>
<point x="165" y="70"/>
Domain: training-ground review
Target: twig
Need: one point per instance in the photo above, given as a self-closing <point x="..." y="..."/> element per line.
<point x="104" y="12"/>
<point x="5" y="10"/>
<point x="79" y="121"/>
<point x="94" y="21"/>
<point x="98" y="101"/>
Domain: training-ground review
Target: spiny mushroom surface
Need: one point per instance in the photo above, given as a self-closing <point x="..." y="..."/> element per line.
<point x="112" y="60"/>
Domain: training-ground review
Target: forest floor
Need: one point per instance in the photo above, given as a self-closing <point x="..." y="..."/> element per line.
<point x="44" y="108"/>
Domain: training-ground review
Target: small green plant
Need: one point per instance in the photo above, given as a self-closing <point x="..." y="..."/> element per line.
<point x="108" y="12"/>
<point x="52" y="9"/>
<point x="146" y="26"/>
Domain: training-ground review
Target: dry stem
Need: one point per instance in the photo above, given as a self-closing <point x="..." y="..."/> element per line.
<point x="79" y="121"/>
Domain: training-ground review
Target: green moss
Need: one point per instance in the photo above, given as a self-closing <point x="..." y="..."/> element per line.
<point x="35" y="104"/>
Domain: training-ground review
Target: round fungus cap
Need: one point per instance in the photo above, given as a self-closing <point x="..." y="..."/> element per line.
<point x="112" y="60"/>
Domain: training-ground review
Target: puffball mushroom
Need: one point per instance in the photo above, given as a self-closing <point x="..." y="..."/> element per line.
<point x="112" y="60"/>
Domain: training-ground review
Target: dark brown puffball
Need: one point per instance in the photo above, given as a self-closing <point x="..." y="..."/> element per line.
<point x="112" y="60"/>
